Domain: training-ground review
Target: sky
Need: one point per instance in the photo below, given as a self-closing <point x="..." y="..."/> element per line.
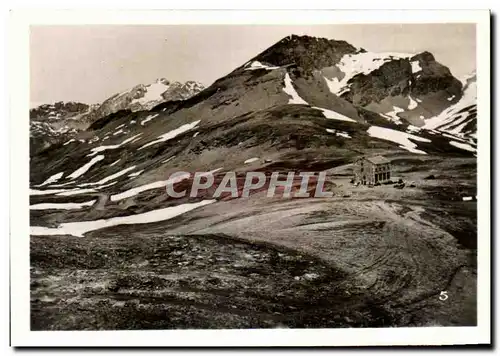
<point x="89" y="63"/>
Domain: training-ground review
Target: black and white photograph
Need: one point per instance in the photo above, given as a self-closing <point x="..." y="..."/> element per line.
<point x="276" y="177"/>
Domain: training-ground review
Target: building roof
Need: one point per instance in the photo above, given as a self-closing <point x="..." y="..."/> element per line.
<point x="378" y="160"/>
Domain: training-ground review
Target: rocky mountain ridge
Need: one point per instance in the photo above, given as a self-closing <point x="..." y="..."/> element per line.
<point x="144" y="97"/>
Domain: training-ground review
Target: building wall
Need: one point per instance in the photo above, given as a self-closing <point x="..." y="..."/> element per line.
<point x="363" y="171"/>
<point x="382" y="172"/>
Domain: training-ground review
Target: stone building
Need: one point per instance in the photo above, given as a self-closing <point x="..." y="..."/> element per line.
<point x="371" y="170"/>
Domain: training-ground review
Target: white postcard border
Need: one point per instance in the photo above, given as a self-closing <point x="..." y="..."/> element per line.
<point x="19" y="182"/>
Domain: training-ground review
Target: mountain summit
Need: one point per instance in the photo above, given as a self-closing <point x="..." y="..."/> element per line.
<point x="306" y="53"/>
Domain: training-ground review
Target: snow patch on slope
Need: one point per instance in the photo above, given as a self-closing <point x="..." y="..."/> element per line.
<point x="96" y="150"/>
<point x="463" y="146"/>
<point x="111" y="177"/>
<point x="289" y="89"/>
<point x="330" y="114"/>
<point x="413" y="104"/>
<point x="46" y="191"/>
<point x="413" y="129"/>
<point x="250" y="160"/>
<point x="115" y="162"/>
<point x="415" y="67"/>
<point x="52" y="179"/>
<point x="393" y="115"/>
<point x="168" y="159"/>
<point x="149" y="118"/>
<point x="401" y="138"/>
<point x="80" y="228"/>
<point x="338" y="133"/>
<point x="76" y="191"/>
<point x="257" y="65"/>
<point x="82" y="170"/>
<point x="155" y="185"/>
<point x="171" y="134"/>
<point x="135" y="174"/>
<point x="61" y="206"/>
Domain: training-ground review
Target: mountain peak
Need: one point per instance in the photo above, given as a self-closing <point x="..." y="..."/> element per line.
<point x="306" y="52"/>
<point x="307" y="40"/>
<point x="162" y="81"/>
<point x="424" y="56"/>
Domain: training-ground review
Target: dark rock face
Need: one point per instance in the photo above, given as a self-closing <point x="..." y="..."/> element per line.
<point x="434" y="77"/>
<point x="397" y="78"/>
<point x="391" y="79"/>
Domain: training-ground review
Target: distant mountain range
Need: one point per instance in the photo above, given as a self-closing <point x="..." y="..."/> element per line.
<point x="53" y="122"/>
